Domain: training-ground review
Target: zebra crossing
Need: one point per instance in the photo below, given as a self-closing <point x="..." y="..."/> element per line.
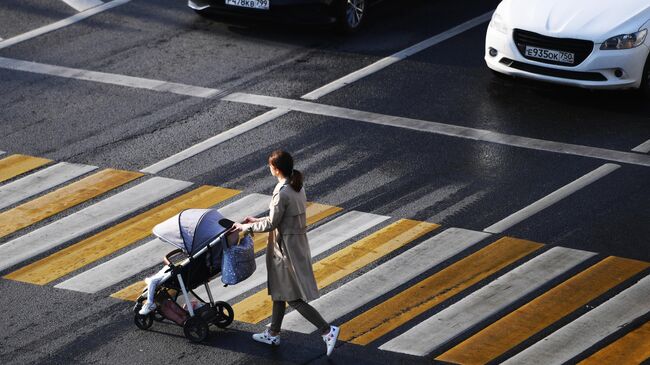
<point x="399" y="285"/>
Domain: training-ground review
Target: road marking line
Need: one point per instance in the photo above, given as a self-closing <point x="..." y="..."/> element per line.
<point x="250" y="205"/>
<point x="131" y="292"/>
<point x="631" y="349"/>
<point x="321" y="239"/>
<point x="116" y="237"/>
<point x="15" y="165"/>
<point x="150" y="254"/>
<point x="214" y="141"/>
<point x="551" y="199"/>
<point x="315" y="212"/>
<point x="41" y="181"/>
<point x="60" y="24"/>
<point x="426" y="294"/>
<point x="440" y="128"/>
<point x="118" y="269"/>
<point x="83" y="5"/>
<point x="86" y="220"/>
<point x="106" y="78"/>
<point x="543" y="311"/>
<point x="491" y="299"/>
<point x="257" y="307"/>
<point x="396" y="57"/>
<point x="569" y="341"/>
<point x="64" y="198"/>
<point x="643" y="148"/>
<point x="388" y="276"/>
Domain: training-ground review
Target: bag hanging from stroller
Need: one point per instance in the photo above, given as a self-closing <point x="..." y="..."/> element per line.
<point x="238" y="261"/>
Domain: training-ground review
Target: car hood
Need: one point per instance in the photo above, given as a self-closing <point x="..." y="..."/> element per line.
<point x="594" y="20"/>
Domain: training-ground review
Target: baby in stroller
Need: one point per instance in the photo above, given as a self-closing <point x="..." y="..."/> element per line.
<point x="200" y="236"/>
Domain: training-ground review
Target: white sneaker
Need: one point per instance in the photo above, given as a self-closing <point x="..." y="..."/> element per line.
<point x="147" y="308"/>
<point x="330" y="339"/>
<point x="265" y="337"/>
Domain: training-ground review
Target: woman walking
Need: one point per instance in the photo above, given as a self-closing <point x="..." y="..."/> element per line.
<point x="288" y="258"/>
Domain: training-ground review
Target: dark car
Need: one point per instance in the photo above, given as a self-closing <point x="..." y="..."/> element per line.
<point x="348" y="15"/>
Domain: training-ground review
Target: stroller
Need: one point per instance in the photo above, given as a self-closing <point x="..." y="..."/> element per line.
<point x="200" y="236"/>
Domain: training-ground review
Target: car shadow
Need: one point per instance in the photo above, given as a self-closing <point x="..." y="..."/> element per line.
<point x="628" y="102"/>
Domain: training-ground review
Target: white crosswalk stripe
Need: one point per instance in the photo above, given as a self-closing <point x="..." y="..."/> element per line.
<point x="387" y="276"/>
<point x="252" y="204"/>
<point x="120" y="268"/>
<point x="150" y="254"/>
<point x="82" y="5"/>
<point x="320" y="239"/>
<point x="40" y="181"/>
<point x="443" y="327"/>
<point x="87" y="220"/>
<point x="577" y="336"/>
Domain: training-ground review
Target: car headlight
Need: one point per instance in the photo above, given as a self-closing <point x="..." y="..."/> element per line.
<point x="498" y="24"/>
<point x="625" y="41"/>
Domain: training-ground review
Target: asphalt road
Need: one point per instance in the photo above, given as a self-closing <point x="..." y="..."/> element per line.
<point x="397" y="172"/>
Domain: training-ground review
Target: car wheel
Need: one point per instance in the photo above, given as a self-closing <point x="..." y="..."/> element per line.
<point x="350" y="15"/>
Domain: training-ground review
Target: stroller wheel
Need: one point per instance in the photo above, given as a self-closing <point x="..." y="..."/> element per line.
<point x="143" y="322"/>
<point x="225" y="314"/>
<point x="196" y="329"/>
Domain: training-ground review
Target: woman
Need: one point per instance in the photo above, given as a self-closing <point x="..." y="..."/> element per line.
<point x="288" y="258"/>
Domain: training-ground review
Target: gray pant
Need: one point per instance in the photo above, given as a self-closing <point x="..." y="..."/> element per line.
<point x="303" y="308"/>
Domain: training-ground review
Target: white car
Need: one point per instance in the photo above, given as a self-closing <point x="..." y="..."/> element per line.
<point x="598" y="44"/>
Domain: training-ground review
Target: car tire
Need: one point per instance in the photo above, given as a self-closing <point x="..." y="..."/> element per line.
<point x="350" y="15"/>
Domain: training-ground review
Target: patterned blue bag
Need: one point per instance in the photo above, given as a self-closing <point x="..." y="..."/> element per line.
<point x="238" y="261"/>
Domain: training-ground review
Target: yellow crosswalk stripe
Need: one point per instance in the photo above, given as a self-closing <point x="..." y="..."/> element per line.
<point x="543" y="311"/>
<point x="315" y="212"/>
<point x="59" y="200"/>
<point x="131" y="292"/>
<point x="15" y="165"/>
<point x="631" y="349"/>
<point x="258" y="306"/>
<point x="117" y="237"/>
<point x="426" y="294"/>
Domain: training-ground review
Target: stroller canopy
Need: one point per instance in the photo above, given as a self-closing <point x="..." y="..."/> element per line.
<point x="191" y="229"/>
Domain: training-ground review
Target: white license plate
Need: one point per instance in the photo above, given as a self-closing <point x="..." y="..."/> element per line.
<point x="253" y="4"/>
<point x="550" y="55"/>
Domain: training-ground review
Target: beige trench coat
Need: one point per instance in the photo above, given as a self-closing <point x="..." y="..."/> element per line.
<point x="288" y="257"/>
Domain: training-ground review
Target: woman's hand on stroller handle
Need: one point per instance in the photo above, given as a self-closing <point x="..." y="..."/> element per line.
<point x="237" y="227"/>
